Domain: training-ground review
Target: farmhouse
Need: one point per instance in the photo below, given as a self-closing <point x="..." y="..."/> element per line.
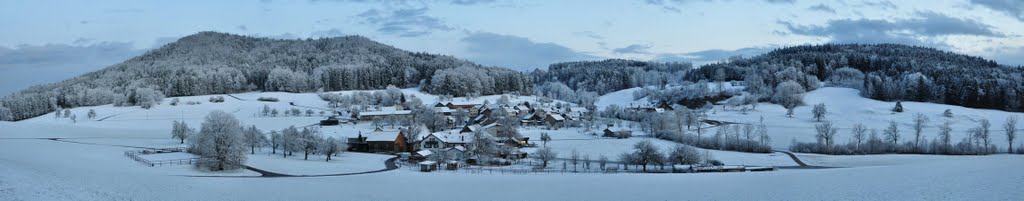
<point x="617" y="132"/>
<point x="554" y="120"/>
<point x="385" y="142"/>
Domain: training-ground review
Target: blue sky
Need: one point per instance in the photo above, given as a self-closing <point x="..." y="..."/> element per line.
<point x="52" y="40"/>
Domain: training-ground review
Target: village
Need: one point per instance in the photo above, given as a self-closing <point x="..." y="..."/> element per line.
<point x="503" y="135"/>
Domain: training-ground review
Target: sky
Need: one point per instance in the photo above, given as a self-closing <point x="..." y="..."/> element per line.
<point x="47" y="41"/>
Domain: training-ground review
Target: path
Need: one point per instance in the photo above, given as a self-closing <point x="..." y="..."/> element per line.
<point x="799" y="162"/>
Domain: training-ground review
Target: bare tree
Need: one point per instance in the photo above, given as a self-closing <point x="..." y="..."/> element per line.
<point x="602" y="161"/>
<point x="574" y="157"/>
<point x="647" y="154"/>
<point x="544" y="137"/>
<point x="859" y="132"/>
<point x="181" y="131"/>
<point x="826" y="133"/>
<point x="1011" y="132"/>
<point x="545" y="154"/>
<point x="983" y="132"/>
<point x="945" y="134"/>
<point x="920" y="120"/>
<point x="892" y="133"/>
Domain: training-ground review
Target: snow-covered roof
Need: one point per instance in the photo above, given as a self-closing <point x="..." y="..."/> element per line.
<point x="579" y="109"/>
<point x="428" y="163"/>
<point x="459" y="147"/>
<point x="557" y="117"/>
<point x="424" y="152"/>
<point x="443" y="110"/>
<point x="453" y="137"/>
<point x="386" y="112"/>
<point x="617" y="129"/>
<point x="382" y="136"/>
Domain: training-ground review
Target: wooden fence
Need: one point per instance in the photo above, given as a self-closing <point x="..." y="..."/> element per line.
<point x="137" y="156"/>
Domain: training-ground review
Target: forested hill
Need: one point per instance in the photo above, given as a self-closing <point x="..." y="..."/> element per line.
<point x="887" y="72"/>
<point x="215" y="63"/>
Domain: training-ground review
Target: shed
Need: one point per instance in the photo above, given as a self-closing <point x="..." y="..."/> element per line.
<point x="428" y="166"/>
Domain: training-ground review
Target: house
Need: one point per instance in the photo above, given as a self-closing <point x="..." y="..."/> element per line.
<point x="456" y="153"/>
<point x="532" y="120"/>
<point x="386" y="142"/>
<point x="554" y="120"/>
<point x="329" y="121"/>
<point x="382" y="113"/>
<point x="617" y="132"/>
<point x="471" y="107"/>
<point x="443" y="140"/>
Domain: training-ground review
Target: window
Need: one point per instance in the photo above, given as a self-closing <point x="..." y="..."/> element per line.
<point x="430" y="144"/>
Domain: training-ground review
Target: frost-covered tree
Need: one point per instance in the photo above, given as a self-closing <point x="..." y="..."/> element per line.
<point x="859" y="133"/>
<point x="276" y="140"/>
<point x="819" y="112"/>
<point x="826" y="133"/>
<point x="789" y="94"/>
<point x="254" y="138"/>
<point x="945" y="134"/>
<point x="309" y="141"/>
<point x="221" y="140"/>
<point x="291" y="141"/>
<point x="483" y="145"/>
<point x="545" y="154"/>
<point x="684" y="155"/>
<point x="5" y="114"/>
<point x="602" y="161"/>
<point x="574" y="158"/>
<point x="983" y="131"/>
<point x="67" y="113"/>
<point x="647" y="154"/>
<point x="1011" y="132"/>
<point x="892" y="133"/>
<point x="181" y="131"/>
<point x="920" y="121"/>
<point x="331" y="147"/>
<point x="544" y="137"/>
<point x="91" y="114"/>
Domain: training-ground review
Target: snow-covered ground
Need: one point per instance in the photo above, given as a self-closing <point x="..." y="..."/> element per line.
<point x="846" y="108"/>
<point x="88" y="162"/>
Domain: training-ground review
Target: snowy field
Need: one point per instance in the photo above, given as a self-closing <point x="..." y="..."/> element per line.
<point x="846" y="108"/>
<point x="87" y="163"/>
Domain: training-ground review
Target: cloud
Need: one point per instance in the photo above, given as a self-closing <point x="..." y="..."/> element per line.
<point x="516" y="52"/>
<point x="822" y="8"/>
<point x="885" y="5"/>
<point x="242" y="27"/>
<point x="404" y="22"/>
<point x="1013" y="8"/>
<point x="674" y="5"/>
<point x="471" y="2"/>
<point x="714" y="55"/>
<point x="633" y="49"/>
<point x="27" y="65"/>
<point x="589" y="34"/>
<point x="913" y="31"/>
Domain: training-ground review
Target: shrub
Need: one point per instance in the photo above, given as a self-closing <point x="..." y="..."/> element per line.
<point x="267" y="99"/>
<point x="217" y="99"/>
